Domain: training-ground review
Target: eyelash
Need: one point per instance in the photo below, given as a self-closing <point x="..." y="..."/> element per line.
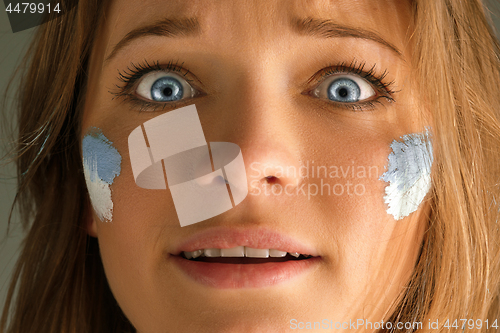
<point x="134" y="72"/>
<point x="384" y="89"/>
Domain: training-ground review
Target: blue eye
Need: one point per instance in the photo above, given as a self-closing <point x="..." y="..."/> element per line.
<point x="160" y="86"/>
<point x="166" y="89"/>
<point x="344" y="89"/>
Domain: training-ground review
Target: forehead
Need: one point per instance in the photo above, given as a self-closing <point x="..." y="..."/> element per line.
<point x="262" y="10"/>
<point x="258" y="19"/>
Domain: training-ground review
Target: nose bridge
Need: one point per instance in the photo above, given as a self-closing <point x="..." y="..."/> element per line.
<point x="259" y="116"/>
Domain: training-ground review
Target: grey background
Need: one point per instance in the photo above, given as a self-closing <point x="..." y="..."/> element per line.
<point x="12" y="47"/>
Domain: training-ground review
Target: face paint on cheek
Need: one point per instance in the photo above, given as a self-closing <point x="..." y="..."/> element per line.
<point x="101" y="164"/>
<point x="408" y="174"/>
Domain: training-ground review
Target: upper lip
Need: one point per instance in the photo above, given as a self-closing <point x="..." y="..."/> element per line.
<point x="225" y="238"/>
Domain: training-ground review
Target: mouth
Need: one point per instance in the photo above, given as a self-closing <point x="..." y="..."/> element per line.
<point x="228" y="258"/>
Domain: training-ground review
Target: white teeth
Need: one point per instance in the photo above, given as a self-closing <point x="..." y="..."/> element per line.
<point x="256" y="253"/>
<point x="193" y="254"/>
<point x="241" y="251"/>
<point x="211" y="252"/>
<point x="276" y="253"/>
<point x="238" y="251"/>
<point x="197" y="253"/>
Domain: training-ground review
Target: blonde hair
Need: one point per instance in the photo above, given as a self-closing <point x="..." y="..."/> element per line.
<point x="61" y="285"/>
<point x="457" y="61"/>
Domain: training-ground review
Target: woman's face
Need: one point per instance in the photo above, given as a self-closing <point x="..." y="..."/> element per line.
<point x="313" y="93"/>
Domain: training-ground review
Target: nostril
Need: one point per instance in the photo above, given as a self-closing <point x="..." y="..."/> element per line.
<point x="271" y="179"/>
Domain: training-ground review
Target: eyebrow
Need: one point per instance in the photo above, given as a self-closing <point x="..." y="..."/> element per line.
<point x="190" y="27"/>
<point x="185" y="27"/>
<point x="329" y="29"/>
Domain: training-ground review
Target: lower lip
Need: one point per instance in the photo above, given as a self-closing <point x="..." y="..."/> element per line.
<point x="226" y="276"/>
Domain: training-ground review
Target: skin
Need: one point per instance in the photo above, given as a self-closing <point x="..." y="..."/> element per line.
<point x="253" y="71"/>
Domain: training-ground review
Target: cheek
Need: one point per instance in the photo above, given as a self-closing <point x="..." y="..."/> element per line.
<point x="364" y="184"/>
<point x="101" y="164"/>
<point x="347" y="177"/>
<point x="369" y="180"/>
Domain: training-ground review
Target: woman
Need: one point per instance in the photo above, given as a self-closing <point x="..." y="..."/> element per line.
<point x="369" y="133"/>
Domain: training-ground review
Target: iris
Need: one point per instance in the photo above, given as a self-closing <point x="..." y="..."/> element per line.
<point x="344" y="90"/>
<point x="166" y="89"/>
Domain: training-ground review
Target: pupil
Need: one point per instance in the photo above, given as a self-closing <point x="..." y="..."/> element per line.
<point x="167" y="91"/>
<point x="343" y="92"/>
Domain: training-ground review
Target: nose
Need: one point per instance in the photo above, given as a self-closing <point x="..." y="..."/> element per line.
<point x="264" y="123"/>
